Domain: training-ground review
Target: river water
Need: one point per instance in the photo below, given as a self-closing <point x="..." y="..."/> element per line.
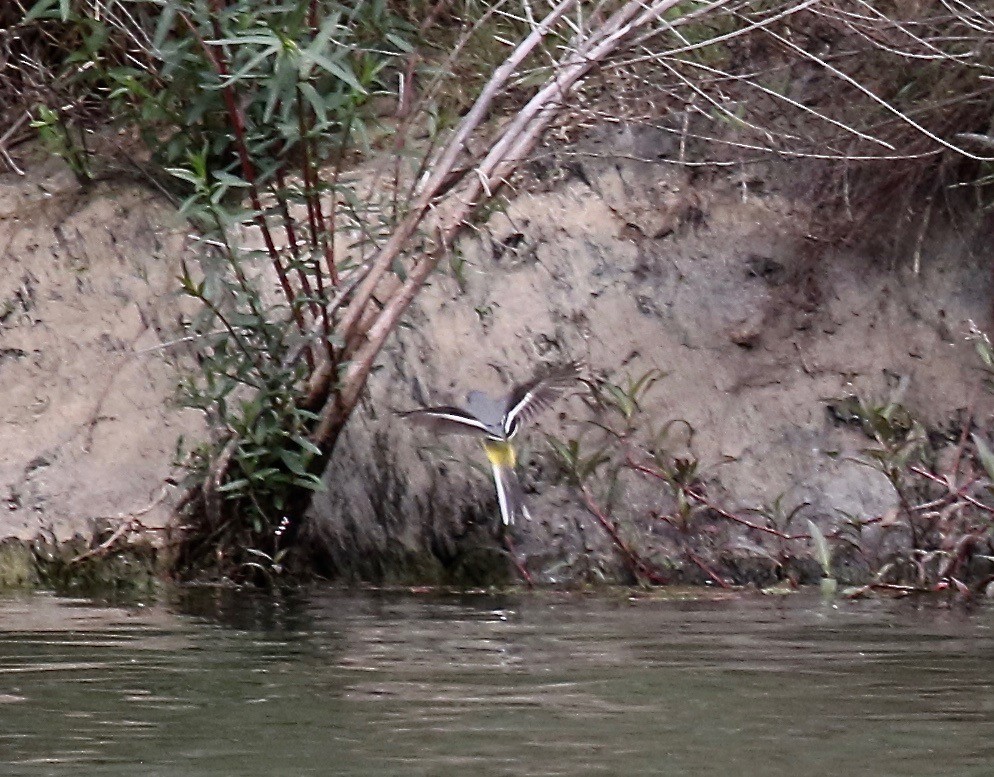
<point x="331" y="683"/>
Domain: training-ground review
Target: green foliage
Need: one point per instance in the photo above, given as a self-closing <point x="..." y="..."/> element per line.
<point x="616" y="409"/>
<point x="269" y="566"/>
<point x="242" y="103"/>
<point x="934" y="539"/>
<point x="622" y="399"/>
<point x="579" y="465"/>
<point x="166" y="66"/>
<point x="59" y="138"/>
<point x="285" y="66"/>
<point x="899" y="439"/>
<point x="250" y="370"/>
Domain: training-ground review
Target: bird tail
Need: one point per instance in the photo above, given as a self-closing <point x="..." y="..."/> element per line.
<point x="510" y="495"/>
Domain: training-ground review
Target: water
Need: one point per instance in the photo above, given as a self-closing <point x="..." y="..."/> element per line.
<point x="213" y="683"/>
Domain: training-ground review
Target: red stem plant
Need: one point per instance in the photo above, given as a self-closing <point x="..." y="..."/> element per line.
<point x="945" y="520"/>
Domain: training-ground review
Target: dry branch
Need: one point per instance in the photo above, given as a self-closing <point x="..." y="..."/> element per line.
<point x="507" y="151"/>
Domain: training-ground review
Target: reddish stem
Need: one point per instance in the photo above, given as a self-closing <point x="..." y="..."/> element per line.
<point x="241" y="145"/>
<point x="312" y="220"/>
<point x="957" y="493"/>
<point x="522" y="570"/>
<point x="635" y="561"/>
<point x="722" y="583"/>
<point x="291" y="236"/>
<point x="698" y="497"/>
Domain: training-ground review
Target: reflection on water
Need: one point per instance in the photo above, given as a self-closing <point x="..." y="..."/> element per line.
<point x="214" y="683"/>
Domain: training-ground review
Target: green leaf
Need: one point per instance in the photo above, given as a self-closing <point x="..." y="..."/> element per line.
<point x="328" y="28"/>
<point x="282" y="87"/>
<point x="166" y="18"/>
<point x="250" y="65"/>
<point x="306" y="444"/>
<point x="985" y="455"/>
<point x="643" y="384"/>
<point x="822" y="551"/>
<point x="40" y="9"/>
<point x="294" y="462"/>
<point x="313" y="482"/>
<point x="233" y="485"/>
<point x="228" y="179"/>
<point x="400" y="43"/>
<point x="622" y="401"/>
<point x="315" y="100"/>
<point x="342" y="72"/>
<point x="185" y="175"/>
<point x="265" y="474"/>
<point x="265" y="38"/>
<point x="562" y="451"/>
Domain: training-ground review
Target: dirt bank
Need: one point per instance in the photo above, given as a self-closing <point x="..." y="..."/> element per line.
<point x="617" y="257"/>
<point x="88" y="298"/>
<point x="633" y="265"/>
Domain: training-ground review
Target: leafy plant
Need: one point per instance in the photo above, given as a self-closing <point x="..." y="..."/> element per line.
<point x="622" y="399"/>
<point x="62" y="140"/>
<point x="823" y="554"/>
<point x="239" y="100"/>
<point x="578" y="464"/>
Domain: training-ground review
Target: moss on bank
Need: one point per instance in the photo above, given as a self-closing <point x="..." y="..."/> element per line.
<point x="18" y="568"/>
<point x="130" y="570"/>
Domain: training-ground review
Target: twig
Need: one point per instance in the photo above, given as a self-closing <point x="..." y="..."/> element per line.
<point x="637" y="564"/>
<point x="7" y="135"/>
<point x="698" y="497"/>
<point x="237" y="117"/>
<point x="129" y="523"/>
<point x="522" y="570"/>
<point x="957" y="493"/>
<point x="900" y="115"/>
<point x="444" y="164"/>
<point x="514" y="142"/>
<point x="212" y="483"/>
<point x="722" y="583"/>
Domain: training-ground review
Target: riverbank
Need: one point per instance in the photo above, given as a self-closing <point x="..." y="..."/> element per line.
<point x="760" y="336"/>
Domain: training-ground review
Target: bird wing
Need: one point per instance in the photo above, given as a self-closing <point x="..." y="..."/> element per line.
<point x="529" y="399"/>
<point x="445" y="420"/>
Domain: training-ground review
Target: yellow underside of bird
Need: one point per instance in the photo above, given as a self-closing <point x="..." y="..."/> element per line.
<point x="500" y="453"/>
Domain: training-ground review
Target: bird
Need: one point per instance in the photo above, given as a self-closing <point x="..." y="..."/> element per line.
<point x="497" y="422"/>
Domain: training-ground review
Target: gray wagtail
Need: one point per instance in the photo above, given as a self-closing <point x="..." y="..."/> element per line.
<point x="497" y="422"/>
